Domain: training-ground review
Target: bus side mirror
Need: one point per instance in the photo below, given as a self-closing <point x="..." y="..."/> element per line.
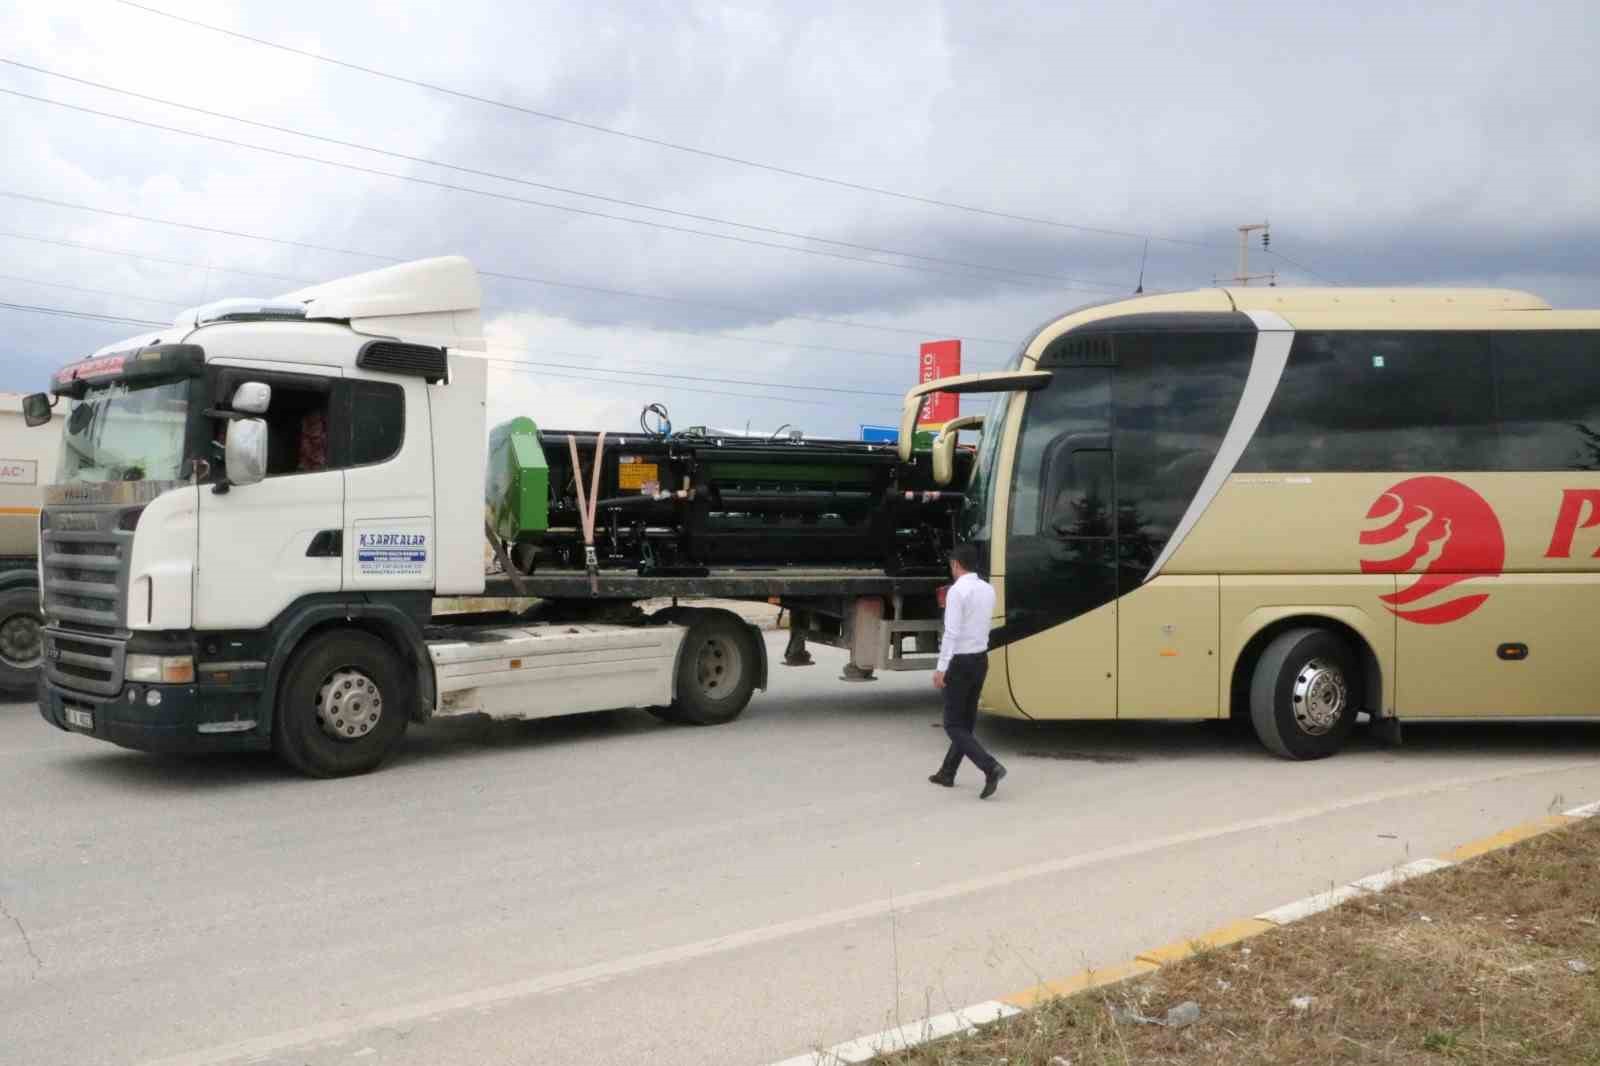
<point x="252" y="398"/>
<point x="245" y="453"/>
<point x="944" y="458"/>
<point x="36" y="409"/>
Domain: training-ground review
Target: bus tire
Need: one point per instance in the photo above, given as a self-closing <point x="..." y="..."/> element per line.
<point x="1304" y="694"/>
<point x="717" y="669"/>
<point x="342" y="706"/>
<point x="21" y="641"/>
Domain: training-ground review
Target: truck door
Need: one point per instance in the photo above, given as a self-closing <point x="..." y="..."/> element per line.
<point x="263" y="546"/>
<point x="1061" y="552"/>
<point x="389" y="528"/>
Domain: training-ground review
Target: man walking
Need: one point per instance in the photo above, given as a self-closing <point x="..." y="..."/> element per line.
<point x="963" y="664"/>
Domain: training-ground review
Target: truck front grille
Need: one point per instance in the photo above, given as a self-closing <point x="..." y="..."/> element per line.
<point x="84" y="578"/>
<point x="84" y="663"/>
<point x="85" y="559"/>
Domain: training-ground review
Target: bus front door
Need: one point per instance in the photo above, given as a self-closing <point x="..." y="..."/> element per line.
<point x="1061" y="582"/>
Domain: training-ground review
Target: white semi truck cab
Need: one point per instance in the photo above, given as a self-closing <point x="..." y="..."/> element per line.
<point x="255" y="510"/>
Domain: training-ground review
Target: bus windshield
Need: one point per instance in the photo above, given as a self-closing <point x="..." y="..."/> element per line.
<point x="117" y="433"/>
<point x="975" y="510"/>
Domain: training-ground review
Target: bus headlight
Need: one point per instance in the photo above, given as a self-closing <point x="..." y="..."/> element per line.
<point x="160" y="669"/>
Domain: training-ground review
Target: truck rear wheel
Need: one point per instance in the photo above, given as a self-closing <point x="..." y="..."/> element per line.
<point x="717" y="669"/>
<point x="341" y="708"/>
<point x="21" y="641"/>
<point x="1304" y="694"/>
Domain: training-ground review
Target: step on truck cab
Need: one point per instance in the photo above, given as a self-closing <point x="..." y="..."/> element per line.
<point x="255" y="510"/>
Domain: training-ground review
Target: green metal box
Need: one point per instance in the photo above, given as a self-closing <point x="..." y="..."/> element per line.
<point x="518" y="481"/>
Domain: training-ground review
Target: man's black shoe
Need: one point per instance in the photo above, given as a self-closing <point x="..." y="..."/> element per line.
<point x="991" y="781"/>
<point x="939" y="779"/>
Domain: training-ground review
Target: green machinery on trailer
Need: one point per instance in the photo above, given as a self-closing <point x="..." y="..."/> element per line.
<point x="688" y="503"/>
<point x="845" y="534"/>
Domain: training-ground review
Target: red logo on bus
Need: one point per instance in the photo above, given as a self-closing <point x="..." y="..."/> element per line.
<point x="1444" y="533"/>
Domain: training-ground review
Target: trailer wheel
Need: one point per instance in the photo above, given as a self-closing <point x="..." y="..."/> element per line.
<point x="1304" y="694"/>
<point x="342" y="706"/>
<point x="717" y="669"/>
<point x="21" y="641"/>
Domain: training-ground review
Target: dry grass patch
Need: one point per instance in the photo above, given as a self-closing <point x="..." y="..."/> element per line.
<point x="1494" y="961"/>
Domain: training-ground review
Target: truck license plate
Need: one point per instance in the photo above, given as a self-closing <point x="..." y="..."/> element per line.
<point x="80" y="719"/>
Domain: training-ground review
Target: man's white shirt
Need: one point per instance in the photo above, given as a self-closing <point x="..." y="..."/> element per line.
<point x="968" y="607"/>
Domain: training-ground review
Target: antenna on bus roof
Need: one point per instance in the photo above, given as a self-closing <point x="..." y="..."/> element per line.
<point x="1143" y="257"/>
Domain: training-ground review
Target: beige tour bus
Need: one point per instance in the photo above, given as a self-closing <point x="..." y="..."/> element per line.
<point x="1293" y="506"/>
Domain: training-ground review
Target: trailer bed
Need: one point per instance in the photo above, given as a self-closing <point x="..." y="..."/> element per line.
<point x="731" y="583"/>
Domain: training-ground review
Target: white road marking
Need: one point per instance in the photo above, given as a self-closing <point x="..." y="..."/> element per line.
<point x="865" y="1048"/>
<point x="1390" y="878"/>
<point x="344" y="1028"/>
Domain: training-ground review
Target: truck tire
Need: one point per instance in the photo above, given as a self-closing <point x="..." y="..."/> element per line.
<point x="1304" y="693"/>
<point x="21" y="641"/>
<point x="717" y="669"/>
<point x="342" y="706"/>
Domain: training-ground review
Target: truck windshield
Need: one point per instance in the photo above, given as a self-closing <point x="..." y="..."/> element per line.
<point x="115" y="433"/>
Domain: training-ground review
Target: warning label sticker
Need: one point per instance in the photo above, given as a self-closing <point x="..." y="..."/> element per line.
<point x="634" y="473"/>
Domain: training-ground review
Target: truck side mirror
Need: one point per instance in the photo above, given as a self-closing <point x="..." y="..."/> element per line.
<point x="36" y="409"/>
<point x="245" y="453"/>
<point x="252" y="398"/>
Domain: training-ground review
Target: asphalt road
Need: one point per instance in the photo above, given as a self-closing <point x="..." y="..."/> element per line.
<point x="609" y="890"/>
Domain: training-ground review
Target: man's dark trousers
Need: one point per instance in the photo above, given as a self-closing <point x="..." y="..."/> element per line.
<point x="962" y="684"/>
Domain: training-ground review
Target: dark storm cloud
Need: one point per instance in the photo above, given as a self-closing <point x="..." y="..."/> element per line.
<point x="1385" y="145"/>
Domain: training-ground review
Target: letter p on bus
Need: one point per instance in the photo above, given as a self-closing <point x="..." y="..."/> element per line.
<point x="1580" y="509"/>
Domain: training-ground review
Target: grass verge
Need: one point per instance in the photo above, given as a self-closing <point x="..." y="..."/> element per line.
<point x="1496" y="960"/>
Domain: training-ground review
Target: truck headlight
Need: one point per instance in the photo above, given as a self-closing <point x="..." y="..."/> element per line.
<point x="160" y="669"/>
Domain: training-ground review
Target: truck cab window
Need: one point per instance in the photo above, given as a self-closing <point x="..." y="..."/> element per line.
<point x="297" y="423"/>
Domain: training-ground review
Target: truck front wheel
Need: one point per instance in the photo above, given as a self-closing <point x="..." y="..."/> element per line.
<point x="717" y="668"/>
<point x="342" y="706"/>
<point x="21" y="643"/>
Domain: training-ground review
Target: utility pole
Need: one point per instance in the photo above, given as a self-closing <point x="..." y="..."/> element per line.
<point x="1244" y="277"/>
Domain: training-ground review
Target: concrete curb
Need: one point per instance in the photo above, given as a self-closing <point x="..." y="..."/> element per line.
<point x="863" y="1049"/>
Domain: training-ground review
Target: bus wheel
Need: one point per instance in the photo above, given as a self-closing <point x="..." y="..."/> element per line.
<point x="342" y="706"/>
<point x="716" y="669"/>
<point x="1304" y="694"/>
<point x="21" y="641"/>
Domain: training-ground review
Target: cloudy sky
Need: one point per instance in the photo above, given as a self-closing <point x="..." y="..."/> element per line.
<point x="1392" y="143"/>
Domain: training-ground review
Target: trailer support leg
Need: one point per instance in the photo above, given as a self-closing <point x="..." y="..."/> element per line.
<point x="796" y="654"/>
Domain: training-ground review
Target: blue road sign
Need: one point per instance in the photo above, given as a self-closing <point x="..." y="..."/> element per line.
<point x="881" y="434"/>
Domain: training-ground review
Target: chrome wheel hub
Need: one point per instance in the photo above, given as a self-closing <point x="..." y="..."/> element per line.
<point x="1320" y="697"/>
<point x="718" y="667"/>
<point x="20" y="645"/>
<point x="349" y="705"/>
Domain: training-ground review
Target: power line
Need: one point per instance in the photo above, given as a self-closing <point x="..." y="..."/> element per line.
<point x="913" y="331"/>
<point x="476" y="172"/>
<point x="1022" y="278"/>
<point x="93" y="292"/>
<point x="632" y="371"/>
<point x="698" y="334"/>
<point x="659" y="143"/>
<point x="685" y="377"/>
<point x="102" y="250"/>
<point x="514" y="369"/>
<point x="1301" y="267"/>
<point x="88" y="316"/>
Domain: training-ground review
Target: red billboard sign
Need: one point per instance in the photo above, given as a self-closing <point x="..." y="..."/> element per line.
<point x="939" y="359"/>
